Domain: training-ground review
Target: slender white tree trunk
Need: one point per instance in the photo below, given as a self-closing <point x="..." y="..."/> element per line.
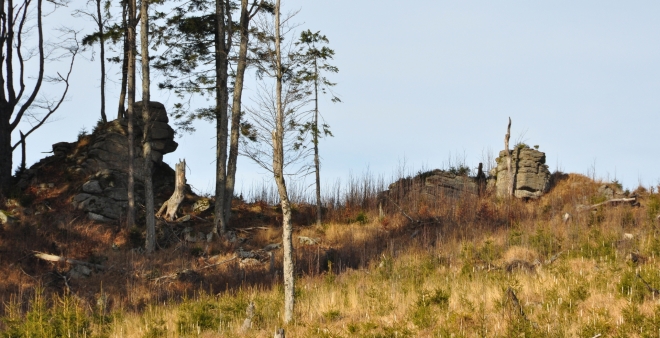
<point x="278" y="171"/>
<point x="150" y="244"/>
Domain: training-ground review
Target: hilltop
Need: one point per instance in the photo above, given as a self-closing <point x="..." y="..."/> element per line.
<point x="431" y="255"/>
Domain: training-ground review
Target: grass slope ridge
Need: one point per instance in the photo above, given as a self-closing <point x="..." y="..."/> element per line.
<point x="467" y="266"/>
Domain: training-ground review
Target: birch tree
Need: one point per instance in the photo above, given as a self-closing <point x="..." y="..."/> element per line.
<point x="272" y="126"/>
<point x="278" y="172"/>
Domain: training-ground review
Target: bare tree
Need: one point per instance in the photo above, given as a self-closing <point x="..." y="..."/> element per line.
<point x="273" y="121"/>
<point x="17" y="62"/>
<point x="510" y="173"/>
<point x="246" y="16"/>
<point x="150" y="243"/>
<point x="99" y="36"/>
<point x="222" y="47"/>
<point x="278" y="172"/>
<point x="130" y="111"/>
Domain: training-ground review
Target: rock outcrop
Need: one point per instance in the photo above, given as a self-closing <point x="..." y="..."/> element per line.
<point x="433" y="183"/>
<point x="532" y="177"/>
<point x="100" y="162"/>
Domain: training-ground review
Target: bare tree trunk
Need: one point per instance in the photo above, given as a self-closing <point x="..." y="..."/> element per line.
<point x="150" y="243"/>
<point x="508" y="160"/>
<point x="172" y="204"/>
<point x="222" y="100"/>
<point x="102" y="45"/>
<point x="124" y="63"/>
<point x="315" y="132"/>
<point x="236" y="110"/>
<point x="130" y="112"/>
<point x="278" y="171"/>
<point x="22" y="151"/>
<point x="5" y="153"/>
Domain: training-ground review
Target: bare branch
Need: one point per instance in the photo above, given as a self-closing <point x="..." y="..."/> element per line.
<point x="50" y="106"/>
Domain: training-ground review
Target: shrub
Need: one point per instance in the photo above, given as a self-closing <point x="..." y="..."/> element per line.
<point x="65" y="317"/>
<point x="199" y="315"/>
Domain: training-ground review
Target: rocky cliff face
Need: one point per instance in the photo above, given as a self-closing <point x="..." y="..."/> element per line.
<point x="99" y="163"/>
<point x="532" y="177"/>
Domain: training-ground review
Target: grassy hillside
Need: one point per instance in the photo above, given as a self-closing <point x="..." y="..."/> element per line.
<point x="419" y="266"/>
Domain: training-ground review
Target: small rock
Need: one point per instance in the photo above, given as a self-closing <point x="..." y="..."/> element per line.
<point x="566" y="217"/>
<point x="245" y="254"/>
<point x="273" y="246"/>
<point x="92" y="187"/>
<point x="98" y="218"/>
<point x="249" y="262"/>
<point x="308" y="240"/>
<point x="80" y="271"/>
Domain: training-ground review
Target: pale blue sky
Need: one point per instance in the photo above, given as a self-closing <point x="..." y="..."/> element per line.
<point x="426" y="80"/>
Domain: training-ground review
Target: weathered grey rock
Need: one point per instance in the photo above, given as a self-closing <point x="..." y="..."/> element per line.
<point x="109" y="145"/>
<point x="532" y="177"/>
<point x="450" y="184"/>
<point x="98" y="218"/>
<point x="79" y="271"/>
<point x="62" y="148"/>
<point x="98" y="205"/>
<point x="432" y="184"/>
<point x="308" y="240"/>
<point x="117" y="194"/>
<point x="610" y="191"/>
<point x="103" y="158"/>
<point x="92" y="187"/>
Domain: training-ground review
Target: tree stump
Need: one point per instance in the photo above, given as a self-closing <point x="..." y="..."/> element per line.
<point x="172" y="204"/>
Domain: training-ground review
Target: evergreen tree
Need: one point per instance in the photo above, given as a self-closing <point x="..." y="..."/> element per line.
<point x="315" y="65"/>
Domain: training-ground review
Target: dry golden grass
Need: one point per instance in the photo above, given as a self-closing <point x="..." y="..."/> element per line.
<point x="443" y="274"/>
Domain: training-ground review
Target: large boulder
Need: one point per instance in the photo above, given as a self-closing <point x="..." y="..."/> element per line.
<point x="531" y="174"/>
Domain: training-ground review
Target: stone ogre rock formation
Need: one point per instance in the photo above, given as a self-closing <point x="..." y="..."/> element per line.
<point x="532" y="177"/>
<point x="97" y="165"/>
<point x="104" y="195"/>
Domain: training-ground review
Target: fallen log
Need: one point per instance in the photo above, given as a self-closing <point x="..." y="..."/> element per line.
<point x="613" y="202"/>
<point x="55" y="258"/>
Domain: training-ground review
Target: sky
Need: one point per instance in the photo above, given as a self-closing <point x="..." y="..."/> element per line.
<point x="428" y="84"/>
